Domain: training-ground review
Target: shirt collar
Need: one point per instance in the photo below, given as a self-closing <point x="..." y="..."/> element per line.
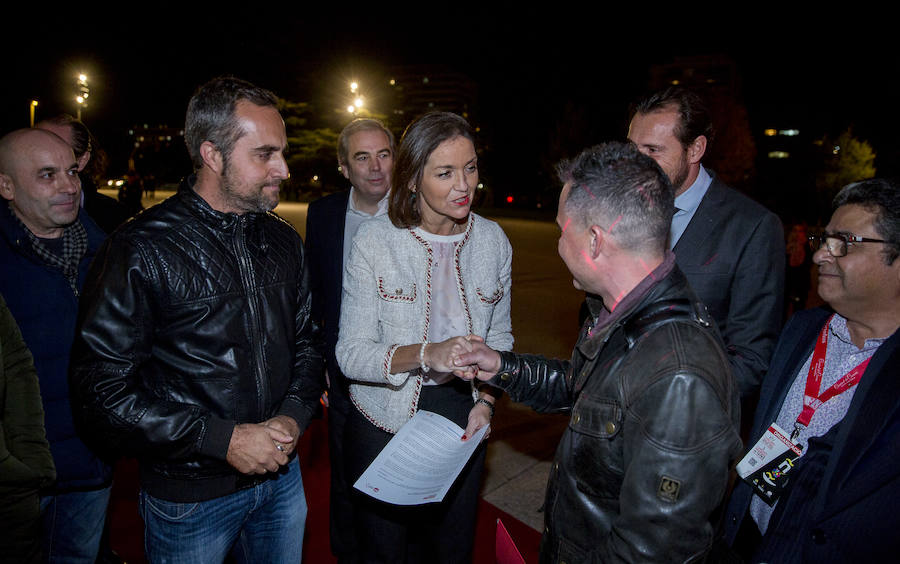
<point x="382" y="205"/>
<point x="606" y="318"/>
<point x="838" y="328"/>
<point x="690" y="198"/>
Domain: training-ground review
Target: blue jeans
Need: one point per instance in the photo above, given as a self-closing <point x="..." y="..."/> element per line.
<point x="260" y="524"/>
<point x="72" y="524"/>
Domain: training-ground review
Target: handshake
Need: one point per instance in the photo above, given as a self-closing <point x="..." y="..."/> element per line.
<point x="466" y="357"/>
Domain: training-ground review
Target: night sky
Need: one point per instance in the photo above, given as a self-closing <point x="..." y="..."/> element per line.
<point x="821" y="73"/>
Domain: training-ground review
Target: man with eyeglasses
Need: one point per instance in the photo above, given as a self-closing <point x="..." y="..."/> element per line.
<point x="822" y="477"/>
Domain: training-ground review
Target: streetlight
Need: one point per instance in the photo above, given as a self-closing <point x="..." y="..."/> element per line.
<point x="83" y="93"/>
<point x="31" y="108"/>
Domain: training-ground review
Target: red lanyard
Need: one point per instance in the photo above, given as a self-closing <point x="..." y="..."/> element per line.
<point x="812" y="399"/>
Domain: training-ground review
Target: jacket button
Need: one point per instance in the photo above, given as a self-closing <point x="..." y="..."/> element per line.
<point x="504" y="376"/>
<point x="577" y="418"/>
<point x="610" y="427"/>
<point x="818" y="536"/>
<point x="399" y="291"/>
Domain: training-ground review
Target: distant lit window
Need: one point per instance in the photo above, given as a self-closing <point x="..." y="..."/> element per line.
<point x="676" y="82"/>
<point x="789" y="132"/>
<point x="779" y="154"/>
<point x="771" y="132"/>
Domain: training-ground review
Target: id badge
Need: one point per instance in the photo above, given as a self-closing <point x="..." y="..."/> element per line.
<point x="768" y="465"/>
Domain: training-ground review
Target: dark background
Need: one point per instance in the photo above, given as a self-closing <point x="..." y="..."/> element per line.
<point x="551" y="79"/>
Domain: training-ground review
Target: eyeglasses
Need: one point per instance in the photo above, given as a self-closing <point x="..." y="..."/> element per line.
<point x="836" y="243"/>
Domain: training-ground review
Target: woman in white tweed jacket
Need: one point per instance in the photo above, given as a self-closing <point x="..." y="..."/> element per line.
<point x="418" y="283"/>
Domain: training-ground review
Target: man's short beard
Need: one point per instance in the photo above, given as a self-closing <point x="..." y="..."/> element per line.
<point x="255" y="202"/>
<point x="682" y="174"/>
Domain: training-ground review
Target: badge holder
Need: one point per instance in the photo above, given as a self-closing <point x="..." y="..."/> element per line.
<point x="768" y="465"/>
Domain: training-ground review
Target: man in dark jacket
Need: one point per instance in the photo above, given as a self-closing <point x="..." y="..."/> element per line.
<point x="26" y="465"/>
<point x="833" y="390"/>
<point x="730" y="248"/>
<point x="365" y="154"/>
<point x="46" y="245"/>
<point x="196" y="352"/>
<point x="654" y="407"/>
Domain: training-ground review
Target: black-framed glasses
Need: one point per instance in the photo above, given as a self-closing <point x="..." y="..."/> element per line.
<point x="836" y="243"/>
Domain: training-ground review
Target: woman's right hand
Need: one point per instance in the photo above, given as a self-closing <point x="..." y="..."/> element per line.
<point x="441" y="356"/>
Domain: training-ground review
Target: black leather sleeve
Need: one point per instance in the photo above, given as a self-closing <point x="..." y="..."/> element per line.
<point x="535" y="381"/>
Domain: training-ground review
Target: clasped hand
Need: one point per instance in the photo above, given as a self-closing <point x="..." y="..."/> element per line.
<point x="254" y="447"/>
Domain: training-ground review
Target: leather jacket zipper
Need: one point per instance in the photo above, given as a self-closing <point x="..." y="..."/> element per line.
<point x="246" y="269"/>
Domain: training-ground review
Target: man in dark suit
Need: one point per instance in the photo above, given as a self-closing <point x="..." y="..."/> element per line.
<point x="365" y="155"/>
<point x="730" y="248"/>
<point x="840" y="500"/>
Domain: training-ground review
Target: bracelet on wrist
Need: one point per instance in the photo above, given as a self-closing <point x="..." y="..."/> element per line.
<point x="422" y="364"/>
<point x="487" y="403"/>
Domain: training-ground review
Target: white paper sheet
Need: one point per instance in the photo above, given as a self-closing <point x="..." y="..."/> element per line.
<point x="421" y="462"/>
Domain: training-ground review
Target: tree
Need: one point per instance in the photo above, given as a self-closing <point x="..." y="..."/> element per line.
<point x="846" y="159"/>
<point x="311" y="155"/>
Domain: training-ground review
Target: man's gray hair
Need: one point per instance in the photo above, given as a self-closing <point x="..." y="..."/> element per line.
<point x="880" y="196"/>
<point x="355" y="126"/>
<point x="210" y="115"/>
<point x="616" y="187"/>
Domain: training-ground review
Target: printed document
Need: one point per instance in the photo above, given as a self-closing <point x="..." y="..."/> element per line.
<point x="421" y="462"/>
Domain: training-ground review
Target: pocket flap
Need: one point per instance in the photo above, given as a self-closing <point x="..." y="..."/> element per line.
<point x="596" y="417"/>
<point x="395" y="291"/>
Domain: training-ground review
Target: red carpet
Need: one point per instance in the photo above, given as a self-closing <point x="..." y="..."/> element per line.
<point x="126" y="527"/>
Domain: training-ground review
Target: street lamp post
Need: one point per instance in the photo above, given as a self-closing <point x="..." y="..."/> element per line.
<point x="83" y="93"/>
<point x="31" y="108"/>
<point x="357" y="101"/>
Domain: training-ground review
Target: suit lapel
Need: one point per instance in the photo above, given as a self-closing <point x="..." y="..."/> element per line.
<point x="874" y="405"/>
<point x="796" y="354"/>
<point x="696" y="235"/>
<point x="337" y="224"/>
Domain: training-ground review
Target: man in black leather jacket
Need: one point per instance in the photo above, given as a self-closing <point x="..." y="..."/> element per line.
<point x="195" y="351"/>
<point x="654" y="409"/>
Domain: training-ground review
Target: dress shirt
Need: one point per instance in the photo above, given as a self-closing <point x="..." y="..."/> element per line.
<point x="354" y="219"/>
<point x="686" y="204"/>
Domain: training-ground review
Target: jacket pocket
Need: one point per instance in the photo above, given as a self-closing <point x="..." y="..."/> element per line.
<point x="488" y="296"/>
<point x="396" y="305"/>
<point x="596" y="424"/>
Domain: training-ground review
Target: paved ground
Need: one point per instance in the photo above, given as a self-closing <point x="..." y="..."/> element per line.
<point x="544" y="316"/>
